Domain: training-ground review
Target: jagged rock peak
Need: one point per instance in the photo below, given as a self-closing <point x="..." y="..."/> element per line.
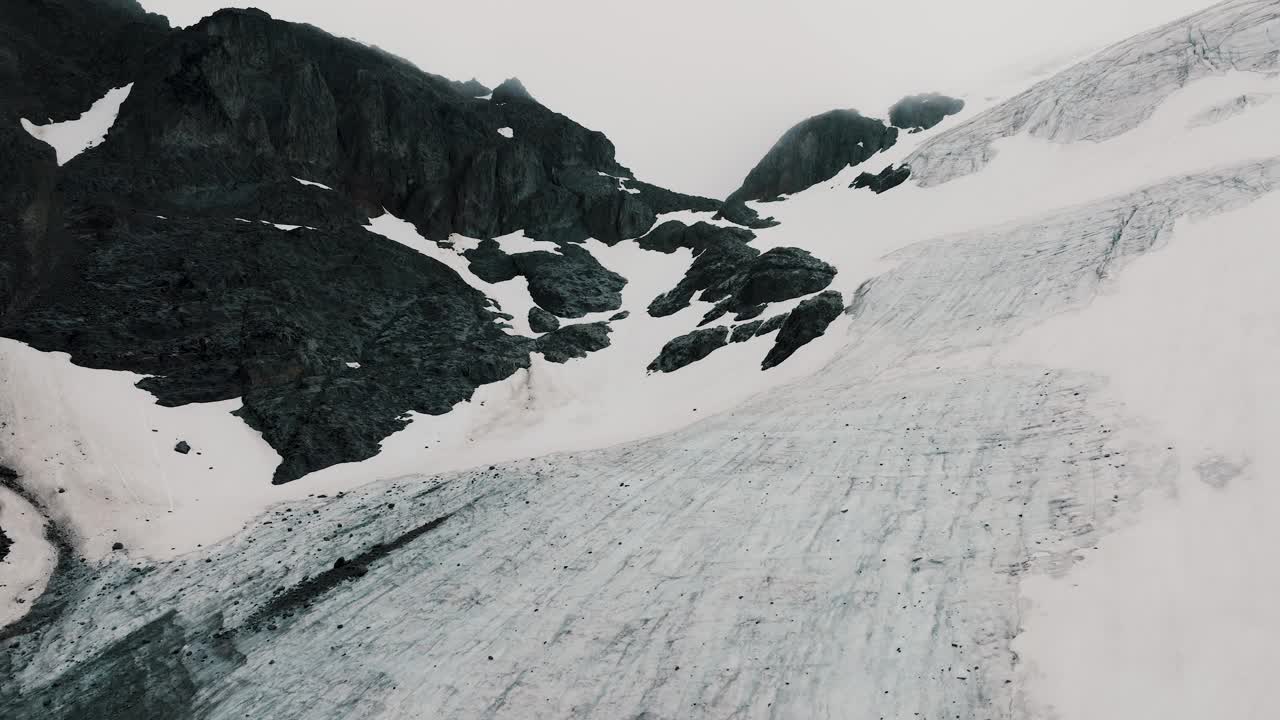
<point x="473" y="88"/>
<point x="510" y="90"/>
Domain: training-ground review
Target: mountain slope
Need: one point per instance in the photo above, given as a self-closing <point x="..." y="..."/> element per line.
<point x="1047" y="402"/>
<point x="186" y="248"/>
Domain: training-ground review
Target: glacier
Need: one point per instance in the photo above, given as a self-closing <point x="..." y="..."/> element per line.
<point x="1027" y="474"/>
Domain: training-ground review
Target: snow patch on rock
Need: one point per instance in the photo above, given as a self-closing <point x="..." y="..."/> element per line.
<point x="72" y="137"/>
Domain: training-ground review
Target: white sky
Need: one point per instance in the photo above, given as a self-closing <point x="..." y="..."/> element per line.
<point x="693" y="92"/>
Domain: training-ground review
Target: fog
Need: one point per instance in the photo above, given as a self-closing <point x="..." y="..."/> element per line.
<point x="693" y="93"/>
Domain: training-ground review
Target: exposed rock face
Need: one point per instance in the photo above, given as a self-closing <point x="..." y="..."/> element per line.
<point x="813" y="151"/>
<point x="573" y="341"/>
<point x="511" y="90"/>
<point x="745" y="331"/>
<point x="56" y="59"/>
<point x="808" y="321"/>
<point x="541" y="321"/>
<point x="489" y="263"/>
<point x="921" y="112"/>
<point x="727" y="271"/>
<point x="221" y="118"/>
<point x="737" y="279"/>
<point x="689" y="348"/>
<point x="886" y="179"/>
<point x="570" y="283"/>
<point x="673" y="234"/>
<point x="722" y="256"/>
<point x="738" y="212"/>
<point x="473" y="88"/>
<point x="779" y="274"/>
<point x="217" y="309"/>
<point x="771" y="325"/>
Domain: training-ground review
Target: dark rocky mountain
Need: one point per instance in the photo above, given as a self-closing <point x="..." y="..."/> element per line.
<point x="221" y="118"/>
<point x="817" y="148"/>
<point x="158" y="251"/>
<point x="814" y="150"/>
<point x="923" y="111"/>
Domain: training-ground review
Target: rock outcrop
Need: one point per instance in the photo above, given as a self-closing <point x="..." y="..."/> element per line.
<point x="155" y="251"/>
<point x="740" y="280"/>
<point x="886" y="179"/>
<point x="573" y="341"/>
<point x="570" y="283"/>
<point x="808" y="321"/>
<point x="923" y="111"/>
<point x="745" y="331"/>
<point x="813" y="151"/>
<point x="541" y="321"/>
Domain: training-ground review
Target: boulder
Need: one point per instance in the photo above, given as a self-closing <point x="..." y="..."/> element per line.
<point x="541" y="321"/>
<point x="808" y="321"/>
<point x="689" y="348"/>
<point x="923" y="111"/>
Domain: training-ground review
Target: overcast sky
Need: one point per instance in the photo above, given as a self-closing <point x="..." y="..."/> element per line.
<point x="693" y="92"/>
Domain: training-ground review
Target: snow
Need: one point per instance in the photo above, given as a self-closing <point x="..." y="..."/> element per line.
<point x="691" y="217"/>
<point x="1172" y="617"/>
<point x="1115" y="90"/>
<point x="72" y="137"/>
<point x="511" y="243"/>
<point x="353" y="365"/>
<point x="26" y="568"/>
<point x="511" y="296"/>
<point x="506" y="132"/>
<point x="622" y="182"/>
<point x="313" y="184"/>
<point x="1045" y="427"/>
<point x="285" y="227"/>
<point x="109" y="447"/>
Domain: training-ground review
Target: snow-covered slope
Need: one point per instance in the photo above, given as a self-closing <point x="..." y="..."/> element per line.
<point x="1025" y="475"/>
<point x="1117" y="89"/>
